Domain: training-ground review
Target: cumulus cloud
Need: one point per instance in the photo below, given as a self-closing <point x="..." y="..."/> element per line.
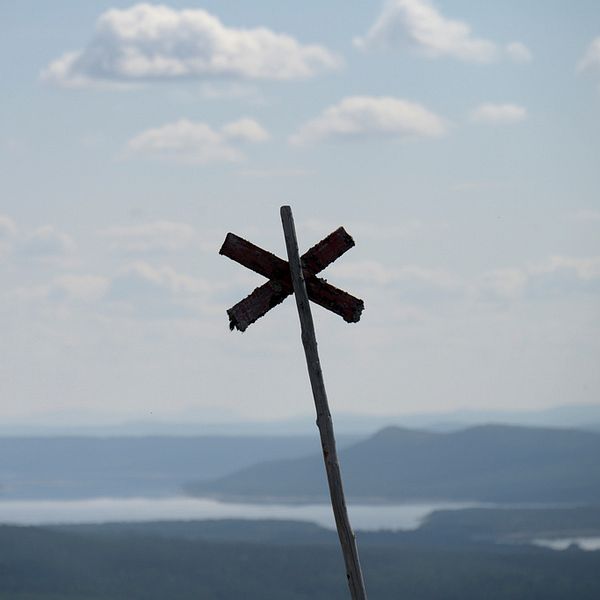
<point x="422" y="26"/>
<point x="374" y="272"/>
<point x="556" y="276"/>
<point x="413" y="283"/>
<point x="562" y="275"/>
<point x="156" y="42"/>
<point x="590" y="61"/>
<point x="505" y="283"/>
<point x="518" y="52"/>
<point x="586" y="269"/>
<point x="47" y="244"/>
<point x="245" y="130"/>
<point x="147" y="290"/>
<point x="79" y="287"/>
<point x="8" y="228"/>
<point x="197" y="143"/>
<point x="498" y="113"/>
<point x="365" y="116"/>
<point x="158" y="236"/>
<point x="140" y="278"/>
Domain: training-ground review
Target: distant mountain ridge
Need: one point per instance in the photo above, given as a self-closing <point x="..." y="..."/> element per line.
<point x="583" y="416"/>
<point x="87" y="467"/>
<point x="488" y="463"/>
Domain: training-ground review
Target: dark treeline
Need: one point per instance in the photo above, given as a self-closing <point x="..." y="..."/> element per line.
<point x="442" y="527"/>
<point x="230" y="560"/>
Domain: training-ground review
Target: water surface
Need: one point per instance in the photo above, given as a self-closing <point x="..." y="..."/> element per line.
<point x="583" y="543"/>
<point x="102" y="510"/>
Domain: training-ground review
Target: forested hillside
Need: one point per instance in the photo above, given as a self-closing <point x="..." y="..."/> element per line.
<point x="491" y="463"/>
<point x="278" y="561"/>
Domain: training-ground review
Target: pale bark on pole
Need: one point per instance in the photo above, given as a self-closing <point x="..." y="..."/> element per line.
<point x="324" y="422"/>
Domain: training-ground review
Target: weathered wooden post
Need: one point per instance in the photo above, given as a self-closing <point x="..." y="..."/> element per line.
<point x="299" y="276"/>
<point x="324" y="422"/>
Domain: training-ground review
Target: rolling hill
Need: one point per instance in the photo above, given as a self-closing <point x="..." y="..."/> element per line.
<point x="489" y="463"/>
<point x="119" y="466"/>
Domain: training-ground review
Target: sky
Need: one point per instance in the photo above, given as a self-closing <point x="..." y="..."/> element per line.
<point x="457" y="142"/>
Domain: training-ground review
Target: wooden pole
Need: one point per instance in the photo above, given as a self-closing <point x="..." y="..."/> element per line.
<point x="324" y="422"/>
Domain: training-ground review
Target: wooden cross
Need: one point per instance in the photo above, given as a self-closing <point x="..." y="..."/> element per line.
<point x="298" y="276"/>
<point x="279" y="286"/>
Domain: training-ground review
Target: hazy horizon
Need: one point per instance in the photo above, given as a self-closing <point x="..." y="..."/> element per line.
<point x="585" y="417"/>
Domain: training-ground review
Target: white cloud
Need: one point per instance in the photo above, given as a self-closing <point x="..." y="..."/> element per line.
<point x="586" y="269"/>
<point x="375" y="273"/>
<point x="8" y="228"/>
<point x="561" y="275"/>
<point x="46" y="243"/>
<point x="367" y="271"/>
<point x="591" y="59"/>
<point x="197" y="143"/>
<point x="139" y="278"/>
<point x="156" y="42"/>
<point x="79" y="287"/>
<point x="519" y="52"/>
<point x="505" y="283"/>
<point x="556" y="276"/>
<point x="163" y="236"/>
<point x="66" y="73"/>
<point x="498" y="113"/>
<point x="149" y="291"/>
<point x="365" y="116"/>
<point x="420" y="24"/>
<point x="245" y="130"/>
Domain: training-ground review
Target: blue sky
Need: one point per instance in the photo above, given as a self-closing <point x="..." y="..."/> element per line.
<point x="456" y="141"/>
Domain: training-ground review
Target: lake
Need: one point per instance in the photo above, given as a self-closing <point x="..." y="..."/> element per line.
<point x="102" y="510"/>
<point x="583" y="543"/>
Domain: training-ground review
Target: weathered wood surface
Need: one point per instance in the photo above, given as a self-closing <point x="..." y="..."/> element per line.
<point x="279" y="286"/>
<point x="341" y="303"/>
<point x="322" y="254"/>
<point x="324" y="421"/>
<point x="257" y="304"/>
<point x="255" y="258"/>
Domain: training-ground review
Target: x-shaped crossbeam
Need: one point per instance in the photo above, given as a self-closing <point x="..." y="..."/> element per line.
<point x="279" y="286"/>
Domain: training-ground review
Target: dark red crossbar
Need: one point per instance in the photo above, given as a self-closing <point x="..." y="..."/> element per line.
<point x="279" y="286"/>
